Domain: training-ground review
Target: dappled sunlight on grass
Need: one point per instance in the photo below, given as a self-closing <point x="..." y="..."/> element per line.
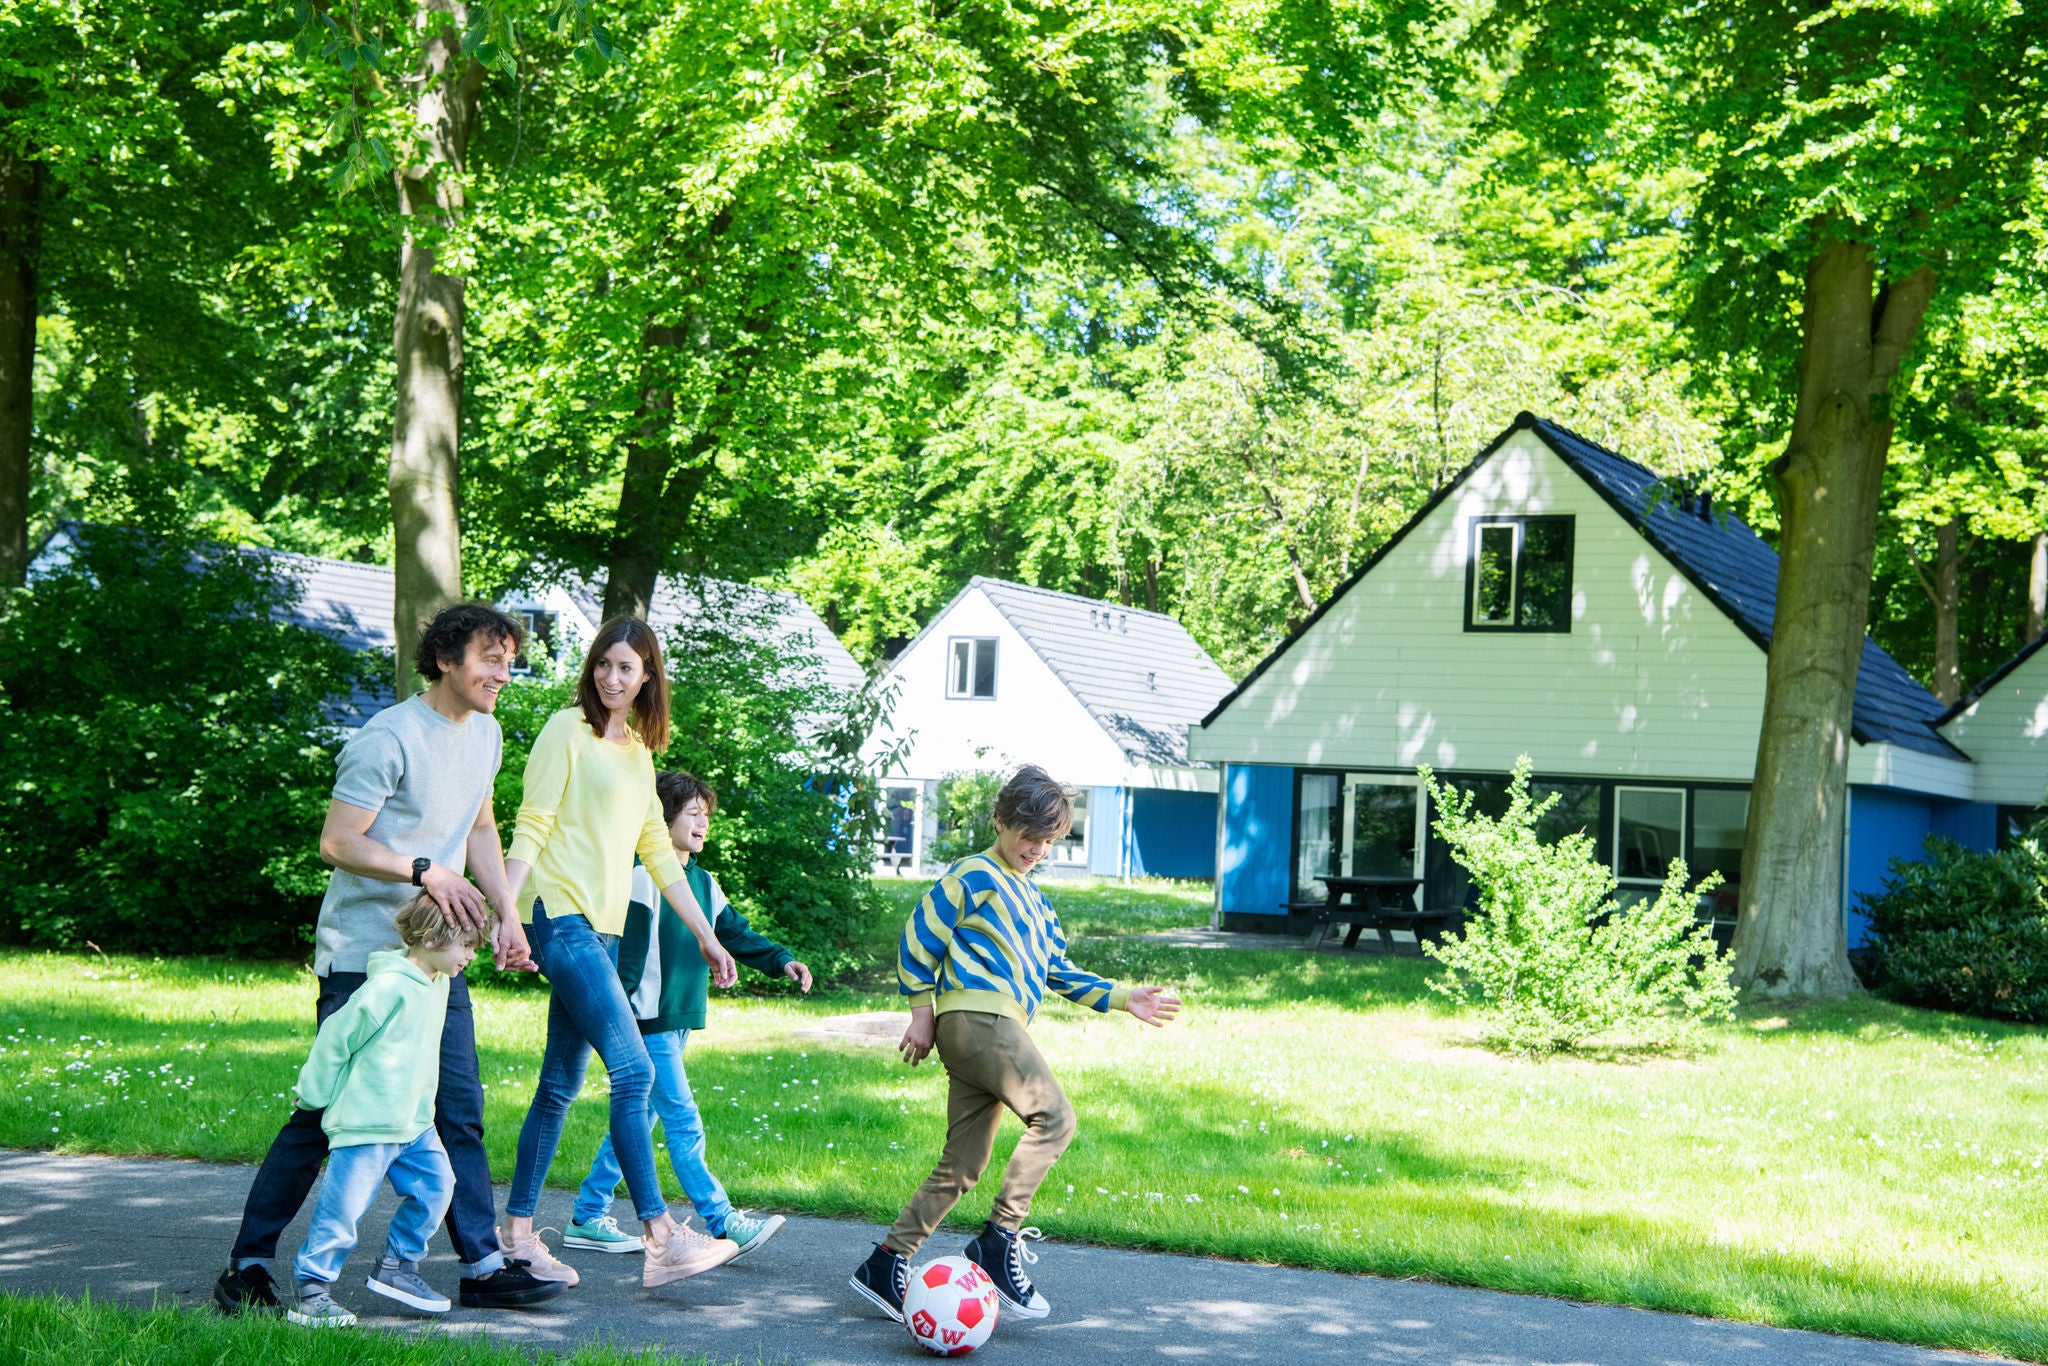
<point x="1861" y="1167"/>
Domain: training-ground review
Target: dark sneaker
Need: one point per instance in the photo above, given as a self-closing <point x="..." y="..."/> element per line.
<point x="882" y="1278"/>
<point x="245" y="1290"/>
<point x="1002" y="1253"/>
<point x="396" y="1280"/>
<point x="511" y="1286"/>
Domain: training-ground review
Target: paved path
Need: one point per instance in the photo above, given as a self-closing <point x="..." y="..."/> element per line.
<point x="139" y="1230"/>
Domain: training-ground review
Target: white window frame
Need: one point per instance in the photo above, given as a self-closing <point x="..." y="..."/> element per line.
<point x="1348" y="832"/>
<point x="962" y="688"/>
<point x="1684" y="812"/>
<point x="530" y="618"/>
<point x="1480" y="526"/>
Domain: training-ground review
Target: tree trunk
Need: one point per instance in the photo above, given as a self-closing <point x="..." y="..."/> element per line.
<point x="2037" y="588"/>
<point x="1947" y="595"/>
<point x="426" y="339"/>
<point x="21" y="185"/>
<point x="1790" y="938"/>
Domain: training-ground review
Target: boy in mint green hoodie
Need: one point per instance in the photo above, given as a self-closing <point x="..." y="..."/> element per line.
<point x="373" y="1072"/>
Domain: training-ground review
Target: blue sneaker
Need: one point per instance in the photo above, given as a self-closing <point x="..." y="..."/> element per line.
<point x="601" y="1234"/>
<point x="749" y="1232"/>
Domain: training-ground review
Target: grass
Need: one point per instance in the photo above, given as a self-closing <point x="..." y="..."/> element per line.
<point x="38" y="1331"/>
<point x="1859" y="1168"/>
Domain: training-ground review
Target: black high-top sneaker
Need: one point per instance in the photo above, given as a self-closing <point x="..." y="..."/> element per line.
<point x="1002" y="1254"/>
<point x="882" y="1278"/>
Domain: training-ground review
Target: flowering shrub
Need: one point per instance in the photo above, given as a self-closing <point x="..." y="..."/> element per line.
<point x="1963" y="930"/>
<point x="1552" y="958"/>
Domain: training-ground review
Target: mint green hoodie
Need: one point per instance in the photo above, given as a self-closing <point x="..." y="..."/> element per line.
<point x="376" y="1063"/>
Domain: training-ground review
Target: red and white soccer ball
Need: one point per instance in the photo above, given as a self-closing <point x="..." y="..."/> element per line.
<point x="950" y="1306"/>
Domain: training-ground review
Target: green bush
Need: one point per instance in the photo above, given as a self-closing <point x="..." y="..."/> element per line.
<point x="798" y="809"/>
<point x="1963" y="930"/>
<point x="966" y="806"/>
<point x="166" y="750"/>
<point x="1554" y="961"/>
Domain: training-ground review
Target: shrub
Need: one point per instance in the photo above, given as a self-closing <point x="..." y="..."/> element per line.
<point x="798" y="808"/>
<point x="166" y="752"/>
<point x="966" y="804"/>
<point x="1963" y="930"/>
<point x="1552" y="958"/>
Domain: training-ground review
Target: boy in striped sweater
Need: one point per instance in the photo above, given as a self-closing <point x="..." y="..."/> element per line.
<point x="975" y="960"/>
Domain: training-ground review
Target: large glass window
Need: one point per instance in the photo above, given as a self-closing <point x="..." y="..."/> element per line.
<point x="1649" y="831"/>
<point x="1319" y="809"/>
<point x="1383" y="829"/>
<point x="540" y="638"/>
<point x="1520" y="574"/>
<point x="971" y="672"/>
<point x="1719" y="818"/>
<point x="1577" y="811"/>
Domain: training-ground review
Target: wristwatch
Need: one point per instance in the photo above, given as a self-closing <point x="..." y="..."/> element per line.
<point x="419" y="870"/>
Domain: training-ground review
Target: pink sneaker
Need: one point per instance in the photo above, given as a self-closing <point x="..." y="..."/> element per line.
<point x="686" y="1253"/>
<point x="540" y="1263"/>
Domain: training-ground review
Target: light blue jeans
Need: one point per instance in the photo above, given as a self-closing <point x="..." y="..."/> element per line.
<point x="425" y="1183"/>
<point x="683" y="1135"/>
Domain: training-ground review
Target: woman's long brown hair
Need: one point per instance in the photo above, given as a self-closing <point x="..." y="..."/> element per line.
<point x="650" y="707"/>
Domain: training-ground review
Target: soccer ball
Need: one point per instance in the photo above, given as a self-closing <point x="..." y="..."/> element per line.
<point x="950" y="1306"/>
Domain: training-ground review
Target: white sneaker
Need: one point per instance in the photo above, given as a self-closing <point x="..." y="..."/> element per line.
<point x="686" y="1253"/>
<point x="540" y="1263"/>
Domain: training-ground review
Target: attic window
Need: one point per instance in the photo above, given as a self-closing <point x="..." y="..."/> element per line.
<point x="971" y="668"/>
<point x="1518" y="576"/>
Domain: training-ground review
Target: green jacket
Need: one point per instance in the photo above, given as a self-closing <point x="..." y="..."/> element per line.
<point x="376" y="1063"/>
<point x="666" y="978"/>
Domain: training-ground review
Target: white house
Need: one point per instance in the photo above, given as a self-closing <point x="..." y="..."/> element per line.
<point x="1098" y="694"/>
<point x="2002" y="724"/>
<point x="1557" y="600"/>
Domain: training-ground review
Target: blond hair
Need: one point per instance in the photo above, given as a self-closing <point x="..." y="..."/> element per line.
<point x="423" y="924"/>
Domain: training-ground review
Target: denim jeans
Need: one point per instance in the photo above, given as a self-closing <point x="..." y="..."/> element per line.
<point x="683" y="1133"/>
<point x="293" y="1163"/>
<point x="587" y="1009"/>
<point x="425" y="1184"/>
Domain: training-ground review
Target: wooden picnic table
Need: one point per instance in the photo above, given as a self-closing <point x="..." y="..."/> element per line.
<point x="1379" y="904"/>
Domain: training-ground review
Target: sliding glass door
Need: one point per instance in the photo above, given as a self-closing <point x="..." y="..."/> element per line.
<point x="1382" y="825"/>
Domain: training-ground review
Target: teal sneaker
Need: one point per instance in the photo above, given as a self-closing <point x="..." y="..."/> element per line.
<point x="749" y="1232"/>
<point x="601" y="1234"/>
<point x="316" y="1308"/>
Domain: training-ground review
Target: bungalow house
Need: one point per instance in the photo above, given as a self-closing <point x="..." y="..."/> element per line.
<point x="1098" y="694"/>
<point x="1557" y="600"/>
<point x="2002" y="724"/>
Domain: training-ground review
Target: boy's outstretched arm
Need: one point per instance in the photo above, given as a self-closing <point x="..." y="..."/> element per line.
<point x="1154" y="1005"/>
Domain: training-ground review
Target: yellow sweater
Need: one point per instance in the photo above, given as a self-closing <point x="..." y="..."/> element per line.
<point x="589" y="807"/>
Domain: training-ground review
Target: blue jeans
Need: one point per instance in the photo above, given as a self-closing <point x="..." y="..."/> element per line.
<point x="587" y="1009"/>
<point x="293" y="1163"/>
<point x="683" y="1133"/>
<point x="425" y="1183"/>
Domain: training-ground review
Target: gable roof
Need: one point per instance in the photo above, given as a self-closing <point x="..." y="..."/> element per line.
<point x="1716" y="552"/>
<point x="1992" y="680"/>
<point x="787" y="615"/>
<point x="1139" y="674"/>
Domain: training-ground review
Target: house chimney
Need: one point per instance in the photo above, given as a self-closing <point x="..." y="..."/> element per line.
<point x="1706" y="505"/>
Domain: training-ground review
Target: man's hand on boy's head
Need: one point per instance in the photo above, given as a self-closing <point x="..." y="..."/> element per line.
<point x="1154" y="1005"/>
<point x="920" y="1036"/>
<point x="797" y="973"/>
<point x="457" y="897"/>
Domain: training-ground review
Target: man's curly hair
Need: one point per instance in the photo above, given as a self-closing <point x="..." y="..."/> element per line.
<point x="445" y="639"/>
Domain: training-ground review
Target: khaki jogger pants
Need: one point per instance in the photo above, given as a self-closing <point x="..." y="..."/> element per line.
<point x="991" y="1063"/>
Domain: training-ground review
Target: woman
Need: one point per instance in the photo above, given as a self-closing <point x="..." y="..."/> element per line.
<point x="589" y="807"/>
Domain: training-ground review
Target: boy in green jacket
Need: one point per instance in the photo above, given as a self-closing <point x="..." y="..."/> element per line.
<point x="666" y="981"/>
<point x="373" y="1072"/>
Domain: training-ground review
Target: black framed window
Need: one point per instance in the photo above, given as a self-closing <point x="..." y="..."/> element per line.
<point x="971" y="667"/>
<point x="1518" y="574"/>
<point x="1720" y="820"/>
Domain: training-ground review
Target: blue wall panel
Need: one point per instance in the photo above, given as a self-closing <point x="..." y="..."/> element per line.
<point x="1884" y="825"/>
<point x="1258" y="839"/>
<point x="1173" y="834"/>
<point x="1106" y="831"/>
<point x="1974" y="825"/>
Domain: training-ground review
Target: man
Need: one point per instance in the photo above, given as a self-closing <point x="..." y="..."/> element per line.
<point x="411" y="810"/>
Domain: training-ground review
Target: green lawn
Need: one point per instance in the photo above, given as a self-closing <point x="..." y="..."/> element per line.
<point x="1861" y="1168"/>
<point x="61" y="1332"/>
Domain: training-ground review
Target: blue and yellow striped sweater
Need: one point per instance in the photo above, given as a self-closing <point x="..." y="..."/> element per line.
<point x="985" y="938"/>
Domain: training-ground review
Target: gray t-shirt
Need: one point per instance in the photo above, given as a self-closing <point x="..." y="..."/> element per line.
<point x="426" y="777"/>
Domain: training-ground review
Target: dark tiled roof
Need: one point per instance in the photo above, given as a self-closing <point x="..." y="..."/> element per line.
<point x="1139" y="674"/>
<point x="1716" y="551"/>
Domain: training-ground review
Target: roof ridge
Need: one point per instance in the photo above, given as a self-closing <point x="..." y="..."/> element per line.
<point x="1077" y="597"/>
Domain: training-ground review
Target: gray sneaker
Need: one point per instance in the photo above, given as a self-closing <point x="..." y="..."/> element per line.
<point x="749" y="1232"/>
<point x="396" y="1280"/>
<point x="316" y="1308"/>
